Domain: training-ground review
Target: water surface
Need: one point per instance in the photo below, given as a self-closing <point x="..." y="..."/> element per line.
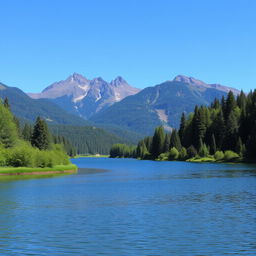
<point x="132" y="208"/>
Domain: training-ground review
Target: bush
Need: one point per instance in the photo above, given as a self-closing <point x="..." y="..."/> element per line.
<point x="163" y="157"/>
<point x="219" y="155"/>
<point x="2" y="157"/>
<point x="173" y="154"/>
<point x="20" y="156"/>
<point x="183" y="154"/>
<point x="230" y="155"/>
<point x="191" y="151"/>
<point x="203" y="151"/>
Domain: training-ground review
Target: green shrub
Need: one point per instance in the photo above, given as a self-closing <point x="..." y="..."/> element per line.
<point x="191" y="151"/>
<point x="219" y="155"/>
<point x="203" y="151"/>
<point x="230" y="155"/>
<point x="183" y="154"/>
<point x="173" y="154"/>
<point x="163" y="157"/>
<point x="20" y="156"/>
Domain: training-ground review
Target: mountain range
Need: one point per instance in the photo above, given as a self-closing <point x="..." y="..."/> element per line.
<point x="81" y="96"/>
<point x="162" y="104"/>
<point x="115" y="106"/>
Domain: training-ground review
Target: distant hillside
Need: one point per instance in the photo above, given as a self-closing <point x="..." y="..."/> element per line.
<point x="83" y="97"/>
<point x="161" y="104"/>
<point x="88" y="139"/>
<point x="26" y="108"/>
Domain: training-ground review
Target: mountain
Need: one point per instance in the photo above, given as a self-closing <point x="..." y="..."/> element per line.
<point x="84" y="97"/>
<point x="28" y="109"/>
<point x="162" y="104"/>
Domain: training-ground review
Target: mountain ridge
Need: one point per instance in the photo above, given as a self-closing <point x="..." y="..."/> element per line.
<point x="161" y="104"/>
<point x="84" y="97"/>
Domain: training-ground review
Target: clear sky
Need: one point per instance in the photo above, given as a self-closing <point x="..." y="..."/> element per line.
<point x="146" y="42"/>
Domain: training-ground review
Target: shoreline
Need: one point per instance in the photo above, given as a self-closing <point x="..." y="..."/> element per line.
<point x="25" y="171"/>
<point x="37" y="173"/>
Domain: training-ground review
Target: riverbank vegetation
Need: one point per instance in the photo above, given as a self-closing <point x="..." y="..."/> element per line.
<point x="223" y="131"/>
<point x="30" y="147"/>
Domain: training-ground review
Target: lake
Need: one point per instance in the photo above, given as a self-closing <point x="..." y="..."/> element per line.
<point x="132" y="208"/>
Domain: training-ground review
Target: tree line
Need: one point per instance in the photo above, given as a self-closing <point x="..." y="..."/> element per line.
<point x="31" y="146"/>
<point x="225" y="130"/>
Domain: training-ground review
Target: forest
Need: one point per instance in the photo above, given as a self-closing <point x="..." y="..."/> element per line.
<point x="30" y="146"/>
<point x="223" y="131"/>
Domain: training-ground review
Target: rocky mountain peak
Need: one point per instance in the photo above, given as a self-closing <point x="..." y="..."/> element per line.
<point x="118" y="81"/>
<point x="189" y="80"/>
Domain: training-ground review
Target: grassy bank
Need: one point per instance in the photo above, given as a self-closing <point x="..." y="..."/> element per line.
<point x="97" y="155"/>
<point x="58" y="169"/>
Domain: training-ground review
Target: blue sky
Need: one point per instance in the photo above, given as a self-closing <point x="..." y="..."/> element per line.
<point x="146" y="42"/>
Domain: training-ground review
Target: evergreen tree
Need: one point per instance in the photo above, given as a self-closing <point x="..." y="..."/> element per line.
<point x="229" y="105"/>
<point x="213" y="147"/>
<point x="141" y="150"/>
<point x="199" y="126"/>
<point x="182" y="127"/>
<point x="40" y="137"/>
<point x="157" y="142"/>
<point x="167" y="142"/>
<point x="218" y="127"/>
<point x="175" y="140"/>
<point x="27" y="132"/>
<point x="231" y="135"/>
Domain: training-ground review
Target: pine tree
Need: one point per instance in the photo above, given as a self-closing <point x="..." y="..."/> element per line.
<point x="27" y="132"/>
<point x="157" y="142"/>
<point x="229" y="105"/>
<point x="218" y="128"/>
<point x="175" y="140"/>
<point x="167" y="142"/>
<point x="199" y="126"/>
<point x="182" y="127"/>
<point x="213" y="147"/>
<point x="231" y="135"/>
<point x="40" y="137"/>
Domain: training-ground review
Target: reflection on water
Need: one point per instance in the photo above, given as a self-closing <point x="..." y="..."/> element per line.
<point x="130" y="207"/>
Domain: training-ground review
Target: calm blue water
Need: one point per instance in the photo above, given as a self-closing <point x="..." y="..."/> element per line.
<point x="135" y="208"/>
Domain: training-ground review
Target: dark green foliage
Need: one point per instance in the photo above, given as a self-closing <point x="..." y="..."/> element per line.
<point x="182" y="128"/>
<point x="27" y="132"/>
<point x="230" y="105"/>
<point x="158" y="142"/>
<point x="209" y="131"/>
<point x="218" y="127"/>
<point x="213" y="147"/>
<point x="87" y="139"/>
<point x="40" y="137"/>
<point x="141" y="150"/>
<point x="16" y="152"/>
<point x="67" y="145"/>
<point x="122" y="150"/>
<point x="175" y="140"/>
<point x="167" y="142"/>
<point x="191" y="151"/>
<point x="203" y="150"/>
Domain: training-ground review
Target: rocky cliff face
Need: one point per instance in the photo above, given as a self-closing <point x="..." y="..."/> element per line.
<point x="85" y="97"/>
